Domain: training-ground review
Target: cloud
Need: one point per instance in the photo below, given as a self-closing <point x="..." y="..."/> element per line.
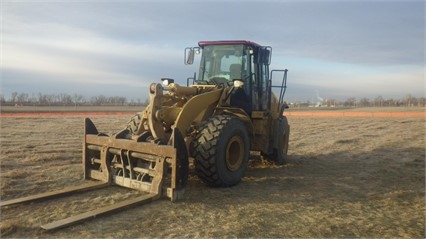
<point x="62" y="52"/>
<point x="325" y="45"/>
<point x="379" y="33"/>
<point x="342" y="80"/>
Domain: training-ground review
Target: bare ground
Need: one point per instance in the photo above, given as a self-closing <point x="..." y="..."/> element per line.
<point x="346" y="177"/>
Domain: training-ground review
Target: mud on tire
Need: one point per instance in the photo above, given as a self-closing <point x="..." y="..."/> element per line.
<point x="221" y="151"/>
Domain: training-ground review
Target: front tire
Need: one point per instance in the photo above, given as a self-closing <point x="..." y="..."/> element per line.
<point x="133" y="124"/>
<point x="222" y="151"/>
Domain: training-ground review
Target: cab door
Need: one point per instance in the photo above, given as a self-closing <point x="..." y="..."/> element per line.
<point x="261" y="96"/>
<point x="261" y="85"/>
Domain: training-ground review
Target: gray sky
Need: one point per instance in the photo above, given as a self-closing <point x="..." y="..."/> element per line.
<point x="339" y="49"/>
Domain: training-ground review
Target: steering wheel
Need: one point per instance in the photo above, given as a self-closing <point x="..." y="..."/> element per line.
<point x="218" y="80"/>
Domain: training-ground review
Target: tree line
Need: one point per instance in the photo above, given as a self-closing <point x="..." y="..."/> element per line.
<point x="64" y="99"/>
<point x="379" y="101"/>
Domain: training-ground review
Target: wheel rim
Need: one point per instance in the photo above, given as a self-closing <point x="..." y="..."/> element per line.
<point x="234" y="153"/>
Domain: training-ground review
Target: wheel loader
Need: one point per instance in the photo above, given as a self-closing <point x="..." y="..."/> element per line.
<point x="217" y="119"/>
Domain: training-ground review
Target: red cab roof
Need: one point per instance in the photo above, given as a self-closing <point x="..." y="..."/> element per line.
<point x="228" y="42"/>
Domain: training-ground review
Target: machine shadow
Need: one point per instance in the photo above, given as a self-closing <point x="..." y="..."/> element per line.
<point x="341" y="176"/>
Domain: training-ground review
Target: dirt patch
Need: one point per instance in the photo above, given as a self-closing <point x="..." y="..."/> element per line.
<point x="346" y="177"/>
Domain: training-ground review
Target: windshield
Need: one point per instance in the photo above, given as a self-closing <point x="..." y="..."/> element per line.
<point x="222" y="63"/>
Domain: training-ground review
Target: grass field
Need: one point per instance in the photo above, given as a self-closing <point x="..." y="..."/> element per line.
<point x="346" y="177"/>
<point x="127" y="108"/>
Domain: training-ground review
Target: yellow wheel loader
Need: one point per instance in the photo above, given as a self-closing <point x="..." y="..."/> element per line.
<point x="226" y="112"/>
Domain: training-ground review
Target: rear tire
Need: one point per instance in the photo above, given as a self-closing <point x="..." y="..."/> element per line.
<point x="279" y="153"/>
<point x="221" y="151"/>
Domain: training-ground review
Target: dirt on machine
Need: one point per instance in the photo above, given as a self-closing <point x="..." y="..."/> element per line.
<point x="217" y="119"/>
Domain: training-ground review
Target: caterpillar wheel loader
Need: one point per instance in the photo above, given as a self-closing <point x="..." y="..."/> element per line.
<point x="228" y="110"/>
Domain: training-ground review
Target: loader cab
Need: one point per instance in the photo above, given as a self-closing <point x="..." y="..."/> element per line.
<point x="222" y="62"/>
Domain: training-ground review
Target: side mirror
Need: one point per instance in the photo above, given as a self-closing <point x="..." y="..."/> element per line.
<point x="190" y="53"/>
<point x="264" y="55"/>
<point x="269" y="50"/>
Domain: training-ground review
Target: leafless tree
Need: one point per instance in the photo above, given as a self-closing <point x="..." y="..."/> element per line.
<point x="364" y="102"/>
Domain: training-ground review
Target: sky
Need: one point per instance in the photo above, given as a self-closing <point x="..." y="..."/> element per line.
<point x="332" y="49"/>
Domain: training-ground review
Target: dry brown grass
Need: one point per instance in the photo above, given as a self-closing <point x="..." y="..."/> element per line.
<point x="347" y="177"/>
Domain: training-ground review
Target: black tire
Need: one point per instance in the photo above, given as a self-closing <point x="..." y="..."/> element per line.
<point x="133" y="127"/>
<point x="133" y="124"/>
<point x="279" y="153"/>
<point x="221" y="151"/>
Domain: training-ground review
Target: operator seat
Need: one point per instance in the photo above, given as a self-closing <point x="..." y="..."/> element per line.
<point x="234" y="72"/>
<point x="239" y="97"/>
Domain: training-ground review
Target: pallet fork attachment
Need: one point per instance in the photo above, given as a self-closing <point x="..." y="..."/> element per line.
<point x="134" y="163"/>
<point x="54" y="194"/>
<point x="158" y="170"/>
